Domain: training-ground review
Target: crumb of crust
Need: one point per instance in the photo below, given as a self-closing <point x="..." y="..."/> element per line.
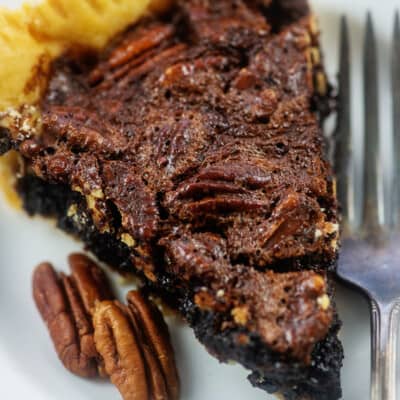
<point x="128" y="240"/>
<point x="324" y="302"/>
<point x="240" y="315"/>
<point x="23" y="122"/>
<point x="72" y="210"/>
<point x="329" y="230"/>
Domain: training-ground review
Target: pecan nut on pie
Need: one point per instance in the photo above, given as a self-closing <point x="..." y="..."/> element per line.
<point x="189" y="150"/>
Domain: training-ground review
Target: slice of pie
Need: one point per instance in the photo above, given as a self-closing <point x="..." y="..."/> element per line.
<point x="189" y="150"/>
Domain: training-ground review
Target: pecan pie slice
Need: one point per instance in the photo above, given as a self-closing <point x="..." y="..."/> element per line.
<point x="190" y="151"/>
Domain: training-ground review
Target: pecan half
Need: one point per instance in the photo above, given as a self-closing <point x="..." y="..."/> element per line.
<point x="129" y="49"/>
<point x="135" y="345"/>
<point x="136" y="56"/>
<point x="117" y="343"/>
<point x="91" y="281"/>
<point x="66" y="304"/>
<point x="94" y="334"/>
<point x="155" y="331"/>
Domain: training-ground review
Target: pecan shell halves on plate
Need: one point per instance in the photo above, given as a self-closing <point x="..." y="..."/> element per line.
<point x="66" y="304"/>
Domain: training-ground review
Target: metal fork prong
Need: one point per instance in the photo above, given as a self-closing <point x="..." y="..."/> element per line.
<point x="396" y="120"/>
<point x="373" y="270"/>
<point x="372" y="184"/>
<point x="343" y="133"/>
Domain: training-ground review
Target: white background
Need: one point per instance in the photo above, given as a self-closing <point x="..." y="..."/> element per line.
<point x="29" y="368"/>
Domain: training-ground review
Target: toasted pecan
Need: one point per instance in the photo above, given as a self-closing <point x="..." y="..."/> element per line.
<point x="66" y="304"/>
<point x="91" y="281"/>
<point x="60" y="308"/>
<point x="118" y="345"/>
<point x="96" y="335"/>
<point x="156" y="332"/>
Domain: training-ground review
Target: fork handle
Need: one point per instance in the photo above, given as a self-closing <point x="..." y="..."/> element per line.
<point x="384" y="329"/>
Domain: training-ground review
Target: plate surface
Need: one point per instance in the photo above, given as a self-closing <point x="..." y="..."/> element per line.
<point x="29" y="367"/>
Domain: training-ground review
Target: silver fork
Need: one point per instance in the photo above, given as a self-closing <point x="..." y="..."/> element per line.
<point x="370" y="256"/>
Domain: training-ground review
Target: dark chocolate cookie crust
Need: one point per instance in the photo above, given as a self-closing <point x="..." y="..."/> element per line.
<point x="318" y="381"/>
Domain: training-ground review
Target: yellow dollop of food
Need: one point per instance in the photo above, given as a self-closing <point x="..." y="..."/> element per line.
<point x="21" y="55"/>
<point x="84" y="22"/>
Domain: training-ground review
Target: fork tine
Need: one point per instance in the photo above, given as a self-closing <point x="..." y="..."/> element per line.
<point x="372" y="183"/>
<point x="343" y="133"/>
<point x="396" y="119"/>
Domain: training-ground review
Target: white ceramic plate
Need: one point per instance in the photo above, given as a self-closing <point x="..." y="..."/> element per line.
<point x="29" y="368"/>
